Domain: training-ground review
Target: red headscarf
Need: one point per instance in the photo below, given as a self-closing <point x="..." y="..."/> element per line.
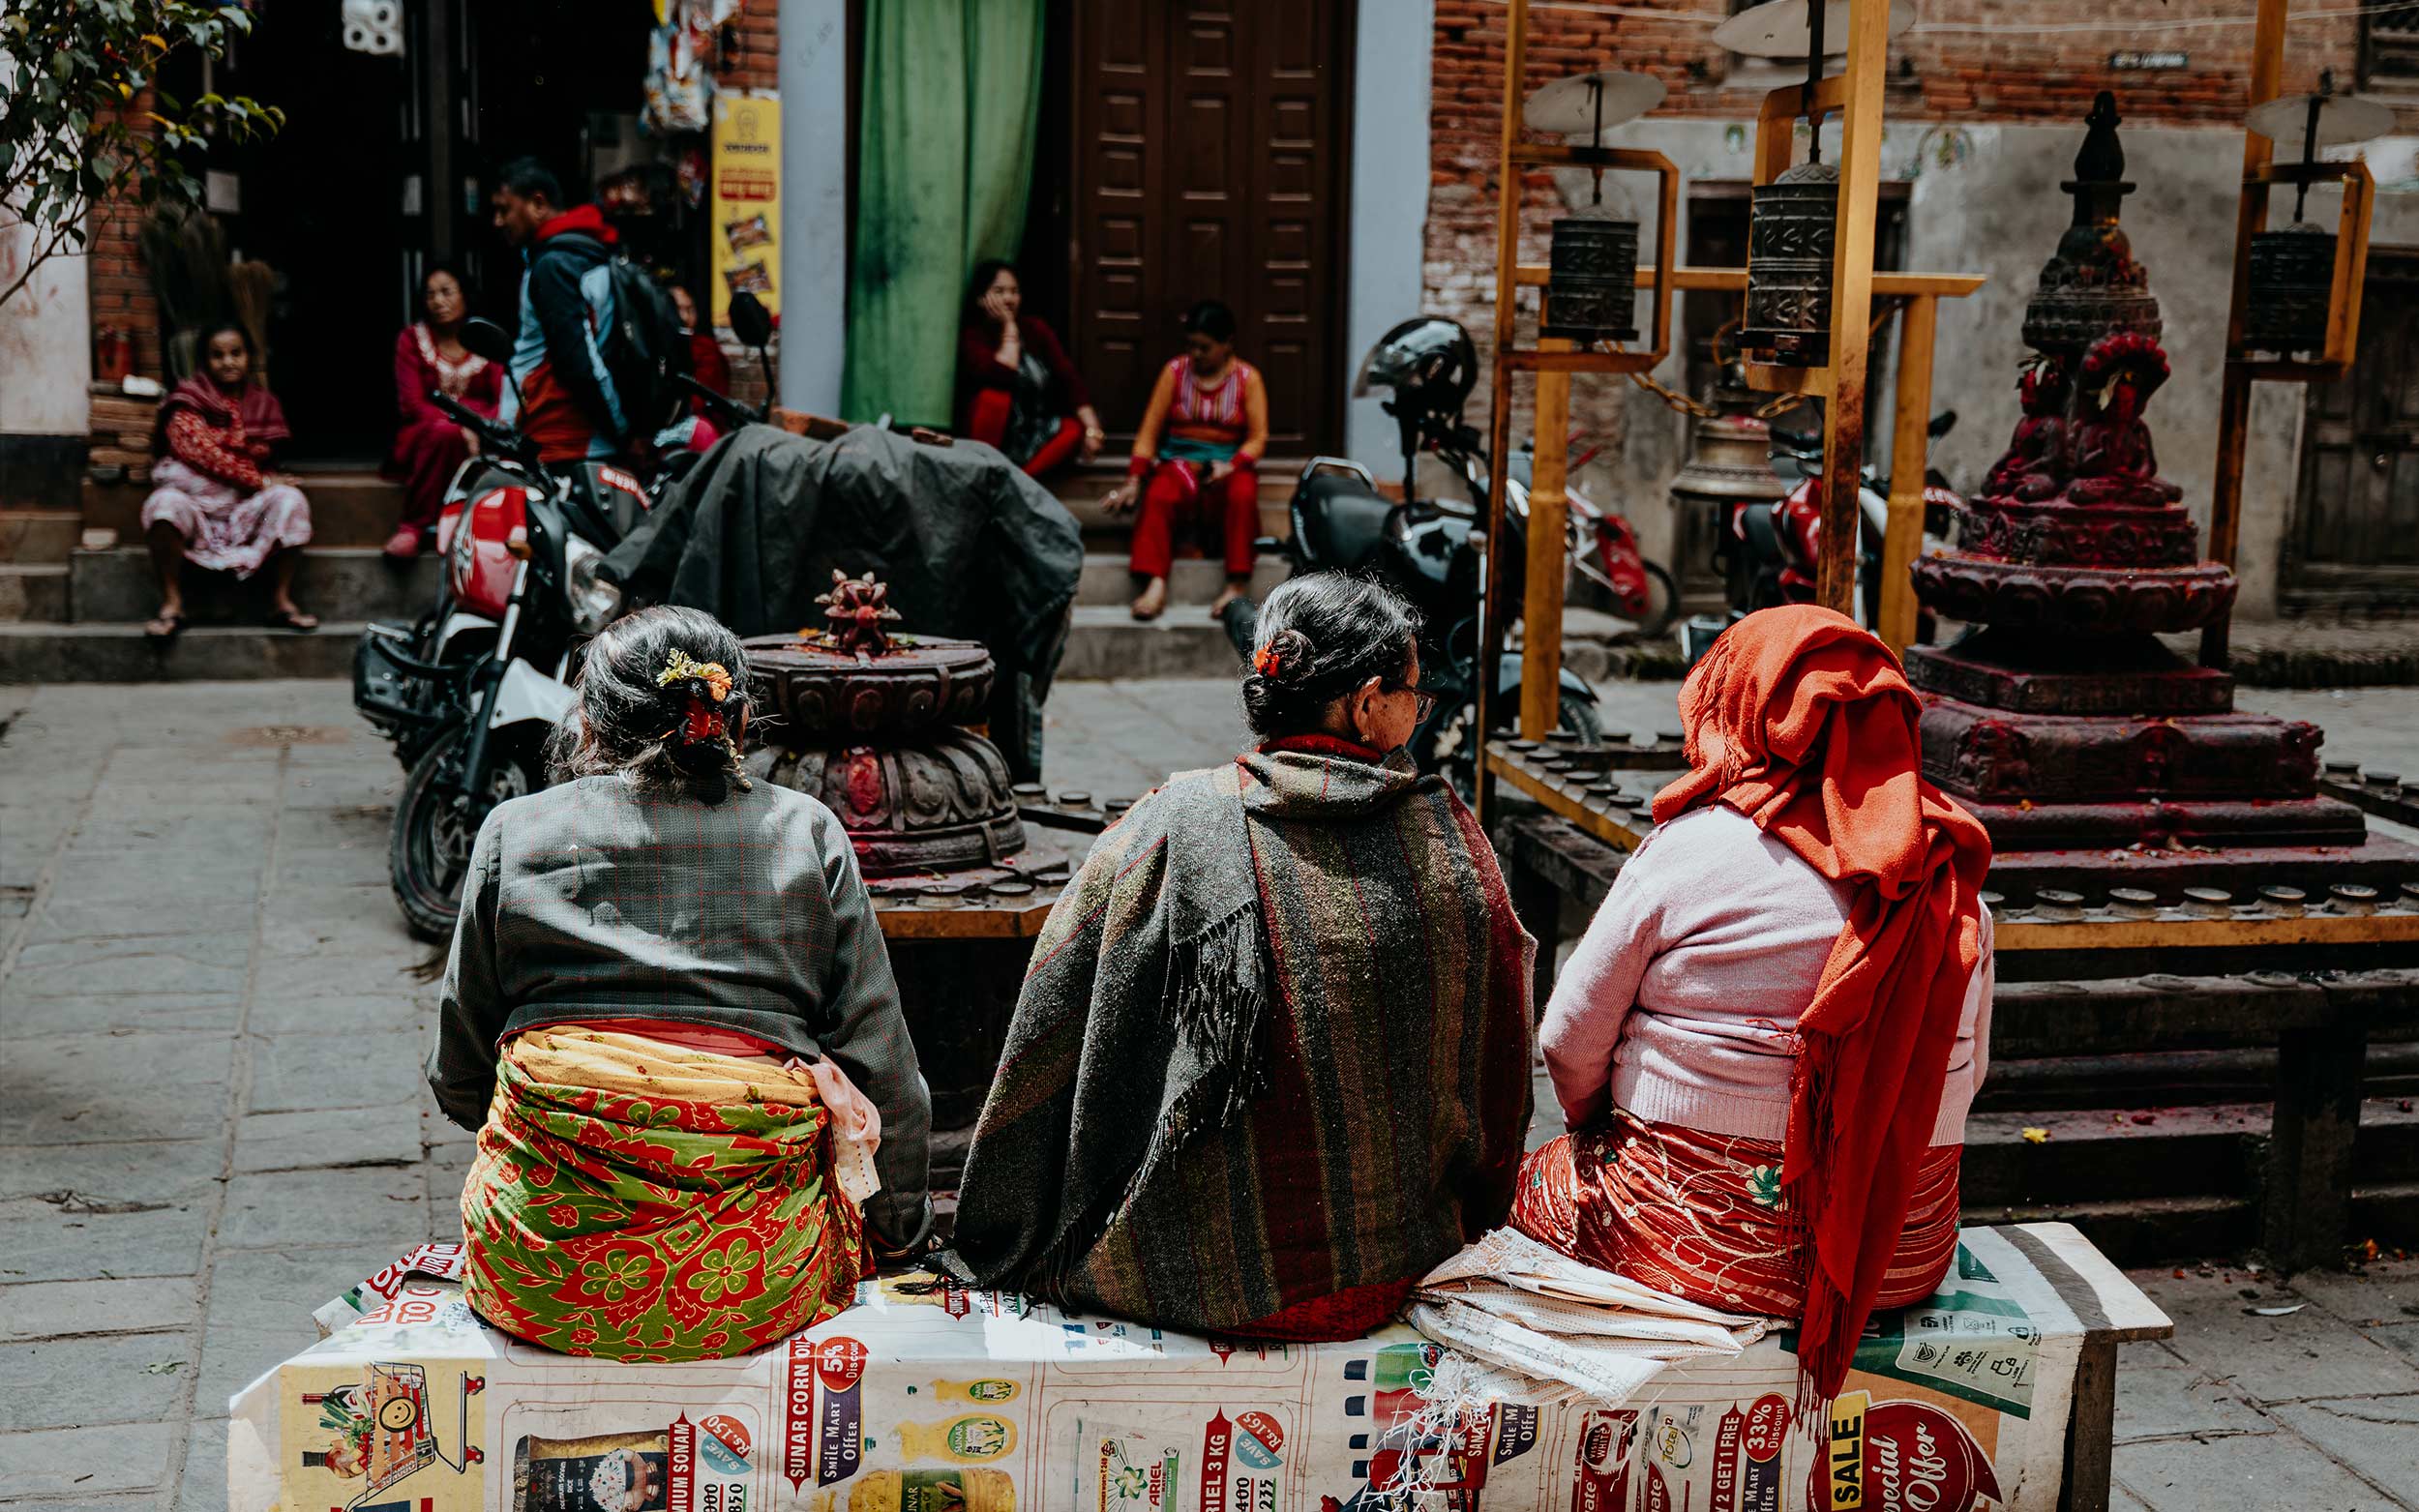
<point x="1804" y="724"/>
<point x="254" y="408"/>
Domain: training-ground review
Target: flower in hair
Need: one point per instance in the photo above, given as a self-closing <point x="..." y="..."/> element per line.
<point x="715" y="675"/>
<point x="1268" y="661"/>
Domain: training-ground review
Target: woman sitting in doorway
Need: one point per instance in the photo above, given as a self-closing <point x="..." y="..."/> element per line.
<point x="1197" y="458"/>
<point x="213" y="502"/>
<point x="1016" y="389"/>
<point x="1768" y="1039"/>
<point x="429" y="444"/>
<point x="670" y="1017"/>
<point x="707" y="364"/>
<point x="1272" y="1061"/>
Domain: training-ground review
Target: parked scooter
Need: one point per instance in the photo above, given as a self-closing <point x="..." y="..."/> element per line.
<point x="1432" y="551"/>
<point x="470" y="692"/>
<point x="1769" y="551"/>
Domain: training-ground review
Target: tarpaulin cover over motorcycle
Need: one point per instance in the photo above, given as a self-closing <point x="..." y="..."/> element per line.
<point x="969" y="545"/>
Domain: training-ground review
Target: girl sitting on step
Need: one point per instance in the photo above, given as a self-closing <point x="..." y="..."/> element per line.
<point x="215" y="503"/>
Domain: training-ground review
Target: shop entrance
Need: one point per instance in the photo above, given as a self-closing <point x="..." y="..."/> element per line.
<point x="383" y="163"/>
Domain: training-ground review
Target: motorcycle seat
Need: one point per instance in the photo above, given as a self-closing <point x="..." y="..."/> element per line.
<point x="1341" y="520"/>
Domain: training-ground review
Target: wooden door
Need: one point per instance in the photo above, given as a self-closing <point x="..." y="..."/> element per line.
<point x="2355" y="539"/>
<point x="1209" y="160"/>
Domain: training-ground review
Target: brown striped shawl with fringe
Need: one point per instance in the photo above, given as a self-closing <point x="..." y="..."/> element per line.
<point x="1274" y="1047"/>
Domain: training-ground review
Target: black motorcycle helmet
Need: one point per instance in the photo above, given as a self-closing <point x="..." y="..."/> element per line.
<point x="1430" y="364"/>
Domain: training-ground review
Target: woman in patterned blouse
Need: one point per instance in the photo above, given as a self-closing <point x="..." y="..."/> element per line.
<point x="215" y="503"/>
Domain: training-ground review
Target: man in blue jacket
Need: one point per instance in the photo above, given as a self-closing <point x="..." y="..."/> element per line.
<point x="566" y="307"/>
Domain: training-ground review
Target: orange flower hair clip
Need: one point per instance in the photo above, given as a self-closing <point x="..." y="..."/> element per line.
<point x="1267" y="661"/>
<point x="715" y="675"/>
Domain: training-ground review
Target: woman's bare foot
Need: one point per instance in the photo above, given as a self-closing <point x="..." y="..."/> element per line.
<point x="1152" y="602"/>
<point x="1233" y="590"/>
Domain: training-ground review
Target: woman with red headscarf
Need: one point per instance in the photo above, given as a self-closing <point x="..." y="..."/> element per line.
<point x="1766" y="1043"/>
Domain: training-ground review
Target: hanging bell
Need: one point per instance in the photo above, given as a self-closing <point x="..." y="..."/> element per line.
<point x="1791" y="223"/>
<point x="2292" y="287"/>
<point x="1590" y="289"/>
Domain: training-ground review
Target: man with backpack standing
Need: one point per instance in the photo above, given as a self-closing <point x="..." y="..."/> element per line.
<point x="589" y="357"/>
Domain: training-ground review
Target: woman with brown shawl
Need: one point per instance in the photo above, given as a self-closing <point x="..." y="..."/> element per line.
<point x="1766" y="1041"/>
<point x="1272" y="1061"/>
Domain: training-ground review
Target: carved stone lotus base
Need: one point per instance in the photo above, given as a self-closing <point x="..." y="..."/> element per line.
<point x="2073" y="601"/>
<point x="939" y="803"/>
<point x="2160" y="824"/>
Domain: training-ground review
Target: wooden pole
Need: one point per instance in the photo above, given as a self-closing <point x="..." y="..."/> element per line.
<point x="1541" y="599"/>
<point x="1908" y="444"/>
<point x="1851" y="301"/>
<point x="1508" y="190"/>
<point x="2226" y="496"/>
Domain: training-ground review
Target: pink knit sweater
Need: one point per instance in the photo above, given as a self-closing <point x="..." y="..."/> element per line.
<point x="1680" y="1001"/>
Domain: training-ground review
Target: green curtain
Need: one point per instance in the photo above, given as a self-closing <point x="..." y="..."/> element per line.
<point x="945" y="160"/>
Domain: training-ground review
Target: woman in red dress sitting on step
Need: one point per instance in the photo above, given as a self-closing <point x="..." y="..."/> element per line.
<point x="1196" y="457"/>
<point x="1016" y="389"/>
<point x="429" y="443"/>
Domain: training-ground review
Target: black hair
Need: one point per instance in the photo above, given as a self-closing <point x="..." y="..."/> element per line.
<point x="648" y="709"/>
<point x="979" y="284"/>
<point x="210" y="334"/>
<point x="1321" y="636"/>
<point x="1212" y="320"/>
<point x="452" y="270"/>
<point x="531" y="179"/>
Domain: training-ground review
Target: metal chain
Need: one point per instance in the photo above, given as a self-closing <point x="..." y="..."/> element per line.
<point x="1780" y="404"/>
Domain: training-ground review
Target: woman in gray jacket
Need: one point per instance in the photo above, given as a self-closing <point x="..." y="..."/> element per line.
<point x="670" y="1017"/>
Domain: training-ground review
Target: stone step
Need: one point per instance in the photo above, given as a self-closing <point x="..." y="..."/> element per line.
<point x="1194" y="580"/>
<point x="347" y="508"/>
<point x="121" y="654"/>
<point x="335" y="582"/>
<point x="1105" y="643"/>
<point x="39" y="537"/>
<point x="32" y="591"/>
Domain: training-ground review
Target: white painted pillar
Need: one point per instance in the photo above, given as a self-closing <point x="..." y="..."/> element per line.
<point x="1390" y="202"/>
<point x="814" y="79"/>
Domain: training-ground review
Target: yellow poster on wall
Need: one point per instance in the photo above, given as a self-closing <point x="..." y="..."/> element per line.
<point x="747" y="201"/>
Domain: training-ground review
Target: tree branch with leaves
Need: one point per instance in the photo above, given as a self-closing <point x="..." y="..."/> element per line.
<point x="85" y="124"/>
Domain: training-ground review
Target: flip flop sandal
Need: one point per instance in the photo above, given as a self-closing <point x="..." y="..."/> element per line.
<point x="282" y="620"/>
<point x="161" y="638"/>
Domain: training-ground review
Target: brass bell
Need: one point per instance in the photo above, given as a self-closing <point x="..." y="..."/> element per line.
<point x="1792" y="223"/>
<point x="1590" y="289"/>
<point x="2290" y="284"/>
<point x="2290" y="289"/>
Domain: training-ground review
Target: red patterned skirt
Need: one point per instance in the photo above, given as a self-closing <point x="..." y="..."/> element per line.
<point x="1700" y="1215"/>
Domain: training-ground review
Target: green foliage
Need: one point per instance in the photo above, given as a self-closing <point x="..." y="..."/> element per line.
<point x="77" y="132"/>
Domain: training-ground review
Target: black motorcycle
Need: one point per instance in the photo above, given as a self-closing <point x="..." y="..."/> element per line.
<point x="1431" y="551"/>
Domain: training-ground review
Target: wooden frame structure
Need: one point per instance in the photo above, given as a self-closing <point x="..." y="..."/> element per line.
<point x="1857" y="97"/>
<point x="2261" y="173"/>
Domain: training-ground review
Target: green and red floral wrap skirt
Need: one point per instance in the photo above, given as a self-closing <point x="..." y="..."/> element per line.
<point x="639" y="1200"/>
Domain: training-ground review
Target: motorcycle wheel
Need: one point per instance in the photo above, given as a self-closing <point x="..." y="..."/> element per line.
<point x="427" y="849"/>
<point x="1662" y="602"/>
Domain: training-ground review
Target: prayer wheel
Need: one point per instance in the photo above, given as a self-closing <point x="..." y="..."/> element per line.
<point x="1590" y="291"/>
<point x="2292" y="287"/>
<point x="1791" y="227"/>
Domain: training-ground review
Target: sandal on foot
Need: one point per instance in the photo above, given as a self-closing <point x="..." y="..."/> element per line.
<point x="163" y="628"/>
<point x="295" y="620"/>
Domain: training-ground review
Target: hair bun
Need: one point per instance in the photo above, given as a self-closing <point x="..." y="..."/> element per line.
<point x="1286" y="658"/>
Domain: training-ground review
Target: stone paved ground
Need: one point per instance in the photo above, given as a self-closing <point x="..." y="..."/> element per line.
<point x="212" y="1119"/>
